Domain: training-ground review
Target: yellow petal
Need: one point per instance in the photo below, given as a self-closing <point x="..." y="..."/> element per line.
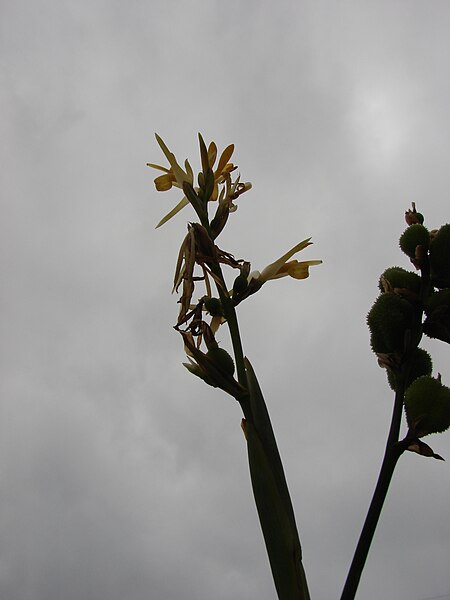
<point x="225" y="157"/>
<point x="270" y="272"/>
<point x="215" y="192"/>
<point x="164" y="182"/>
<point x="189" y="171"/>
<point x="181" y="204"/>
<point x="212" y="154"/>
<point x="300" y="270"/>
<point x="158" y="167"/>
<point x="178" y="172"/>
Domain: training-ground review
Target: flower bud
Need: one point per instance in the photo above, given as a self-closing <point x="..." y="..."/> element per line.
<point x="412" y="216"/>
<point x="427" y="406"/>
<point x="388" y="320"/>
<point x="415" y="235"/>
<point x="240" y="284"/>
<point x="440" y="257"/>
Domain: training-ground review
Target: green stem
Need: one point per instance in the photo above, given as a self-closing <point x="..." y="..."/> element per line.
<point x="233" y="326"/>
<point x="230" y="315"/>
<point x="392" y="454"/>
<point x="393" y="451"/>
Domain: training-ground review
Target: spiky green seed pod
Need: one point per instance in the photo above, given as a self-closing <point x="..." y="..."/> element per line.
<point x="427" y="406"/>
<point x="420" y="364"/>
<point x="397" y="277"/>
<point x="440" y="257"/>
<point x="214" y="306"/>
<point x="221" y="359"/>
<point x="437" y="309"/>
<point x="438" y="300"/>
<point x="415" y="235"/>
<point x="388" y="320"/>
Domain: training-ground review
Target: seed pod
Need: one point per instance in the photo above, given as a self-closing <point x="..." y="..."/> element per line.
<point x="388" y="320"/>
<point x="438" y="301"/>
<point x="440" y="257"/>
<point x="214" y="306"/>
<point x="397" y="277"/>
<point x="420" y="364"/>
<point x="221" y="359"/>
<point x="437" y="309"/>
<point x="415" y="235"/>
<point x="427" y="406"/>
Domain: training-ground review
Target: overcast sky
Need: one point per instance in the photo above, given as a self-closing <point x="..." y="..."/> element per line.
<point x="122" y="477"/>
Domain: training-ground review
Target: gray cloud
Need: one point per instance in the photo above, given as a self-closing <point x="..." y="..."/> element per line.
<point x="122" y="476"/>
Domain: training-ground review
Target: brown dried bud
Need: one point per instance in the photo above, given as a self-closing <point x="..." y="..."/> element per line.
<point x="412" y="216"/>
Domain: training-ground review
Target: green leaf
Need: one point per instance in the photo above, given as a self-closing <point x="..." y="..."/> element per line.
<point x="272" y="499"/>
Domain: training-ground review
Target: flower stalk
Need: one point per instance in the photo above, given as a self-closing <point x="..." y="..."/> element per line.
<point x="396" y="341"/>
<point x="200" y="259"/>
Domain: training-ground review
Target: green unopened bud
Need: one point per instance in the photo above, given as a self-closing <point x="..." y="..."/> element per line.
<point x="415" y="235"/>
<point x="209" y="184"/>
<point x="427" y="406"/>
<point x="214" y="306"/>
<point x="240" y="284"/>
<point x="399" y="278"/>
<point x="220" y="219"/>
<point x="420" y="364"/>
<point x="389" y="319"/>
<point x="221" y="359"/>
<point x="440" y="257"/>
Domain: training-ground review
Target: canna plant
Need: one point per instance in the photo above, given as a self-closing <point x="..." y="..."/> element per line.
<point x="409" y="305"/>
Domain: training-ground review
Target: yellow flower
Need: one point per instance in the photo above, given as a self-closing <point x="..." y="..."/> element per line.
<point x="223" y="169"/>
<point x="175" y="176"/>
<point x="284" y="267"/>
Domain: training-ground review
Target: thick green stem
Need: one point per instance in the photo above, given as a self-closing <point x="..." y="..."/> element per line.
<point x="391" y="456"/>
<point x="392" y="453"/>
<point x="233" y="326"/>
<point x="370" y="524"/>
<point x="231" y="317"/>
